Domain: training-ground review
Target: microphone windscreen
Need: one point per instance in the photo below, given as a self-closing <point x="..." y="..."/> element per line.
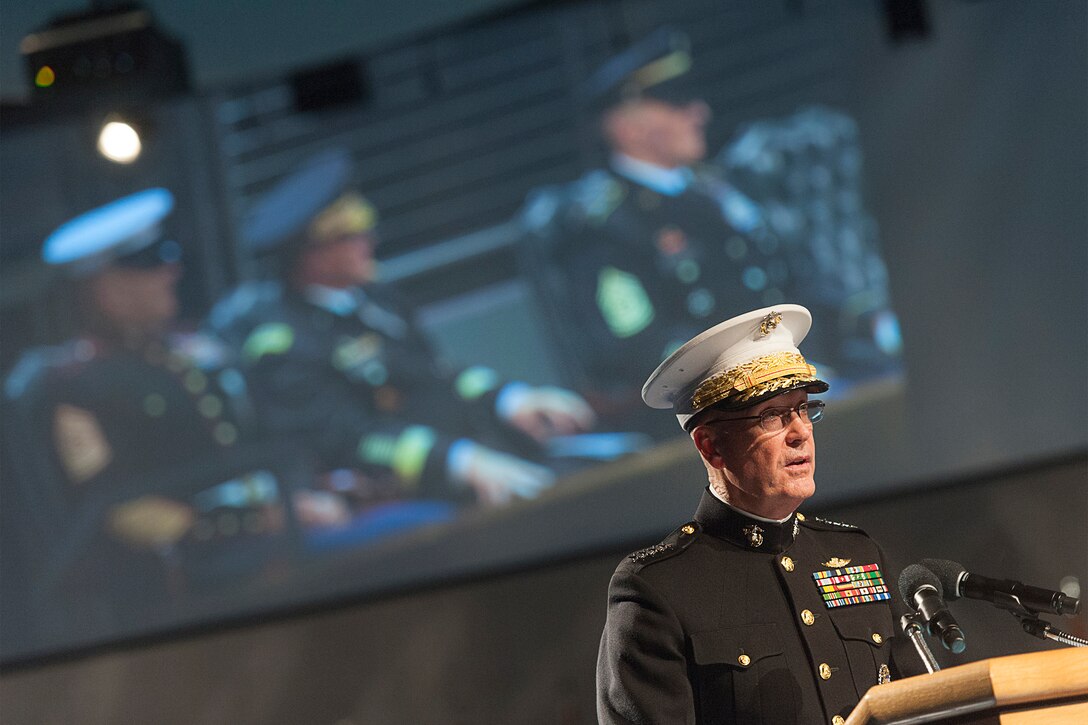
<point x="948" y="573"/>
<point x="914" y="576"/>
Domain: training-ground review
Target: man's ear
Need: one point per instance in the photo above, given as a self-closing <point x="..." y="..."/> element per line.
<point x="707" y="441"/>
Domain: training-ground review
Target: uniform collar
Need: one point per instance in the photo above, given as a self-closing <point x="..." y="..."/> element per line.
<point x="670" y="182"/>
<point x="737" y="527"/>
<point x="340" y="302"/>
<point x="354" y="301"/>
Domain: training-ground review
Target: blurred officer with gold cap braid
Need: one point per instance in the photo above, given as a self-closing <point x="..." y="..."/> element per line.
<point x="336" y="358"/>
<point x="752" y="611"/>
<point x="130" y="402"/>
<point x="632" y="260"/>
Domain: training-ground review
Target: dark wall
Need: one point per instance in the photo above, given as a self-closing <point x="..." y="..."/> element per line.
<point x="521" y="648"/>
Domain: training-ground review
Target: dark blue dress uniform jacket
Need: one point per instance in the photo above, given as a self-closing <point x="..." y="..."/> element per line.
<point x="152" y="407"/>
<point x="626" y="273"/>
<point x="707" y="627"/>
<point x="363" y="389"/>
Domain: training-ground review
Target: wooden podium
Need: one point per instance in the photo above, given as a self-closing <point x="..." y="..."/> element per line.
<point x="1028" y="689"/>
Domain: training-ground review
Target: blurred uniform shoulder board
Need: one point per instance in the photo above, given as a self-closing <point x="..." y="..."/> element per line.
<point x="244" y="300"/>
<point x="597" y="194"/>
<point x="541" y="207"/>
<point x="35" y="363"/>
<point x="235" y="316"/>
<point x="592" y="199"/>
<point x="741" y="211"/>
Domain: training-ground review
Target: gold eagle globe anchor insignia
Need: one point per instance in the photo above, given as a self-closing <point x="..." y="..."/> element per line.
<point x="754" y="535"/>
<point x="769" y="322"/>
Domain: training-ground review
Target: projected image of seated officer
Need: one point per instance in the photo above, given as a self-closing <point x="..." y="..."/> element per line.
<point x="336" y="359"/>
<point x="631" y="260"/>
<point x="126" y="406"/>
<point x="635" y="258"/>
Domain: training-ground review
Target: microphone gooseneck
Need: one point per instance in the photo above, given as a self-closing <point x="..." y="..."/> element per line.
<point x="1004" y="593"/>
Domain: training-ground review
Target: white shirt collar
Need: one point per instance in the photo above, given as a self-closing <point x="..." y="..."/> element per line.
<point x="749" y="514"/>
<point x="670" y="182"/>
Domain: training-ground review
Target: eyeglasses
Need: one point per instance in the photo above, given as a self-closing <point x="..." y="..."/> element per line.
<point x="773" y="420"/>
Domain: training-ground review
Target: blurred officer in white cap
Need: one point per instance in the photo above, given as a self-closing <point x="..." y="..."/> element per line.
<point x="337" y="359"/>
<point x="129" y="400"/>
<point x="752" y="611"/>
<point x="118" y="394"/>
<point x="126" y="269"/>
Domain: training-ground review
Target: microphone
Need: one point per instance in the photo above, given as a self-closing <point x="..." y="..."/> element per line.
<point x="920" y="587"/>
<point x="958" y="582"/>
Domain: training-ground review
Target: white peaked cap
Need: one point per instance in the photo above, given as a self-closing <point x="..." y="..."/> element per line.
<point x="736" y="363"/>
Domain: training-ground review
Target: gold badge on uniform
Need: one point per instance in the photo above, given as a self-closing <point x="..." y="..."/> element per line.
<point x="836" y="563"/>
<point x="754" y="535"/>
<point x="81" y="443"/>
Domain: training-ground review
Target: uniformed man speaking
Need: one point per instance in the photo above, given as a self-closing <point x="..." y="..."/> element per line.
<point x="752" y="612"/>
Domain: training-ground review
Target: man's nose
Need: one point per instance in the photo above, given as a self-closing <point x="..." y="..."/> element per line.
<point x="798" y="430"/>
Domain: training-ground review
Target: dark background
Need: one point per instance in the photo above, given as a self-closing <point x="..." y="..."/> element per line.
<point x="975" y="154"/>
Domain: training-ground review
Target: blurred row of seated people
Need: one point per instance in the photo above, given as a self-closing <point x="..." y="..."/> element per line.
<point x="155" y="445"/>
<point x="322" y="363"/>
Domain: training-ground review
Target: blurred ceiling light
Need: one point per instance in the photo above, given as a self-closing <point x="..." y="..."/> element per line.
<point x="119" y="141"/>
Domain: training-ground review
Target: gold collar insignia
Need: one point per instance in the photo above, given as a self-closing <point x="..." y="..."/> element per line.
<point x="754" y="534"/>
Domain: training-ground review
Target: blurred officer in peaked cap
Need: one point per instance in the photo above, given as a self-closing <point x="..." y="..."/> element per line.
<point x="126" y="268"/>
<point x="336" y="358"/>
<point x="633" y="259"/>
<point x="129" y="400"/>
<point x="752" y="611"/>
